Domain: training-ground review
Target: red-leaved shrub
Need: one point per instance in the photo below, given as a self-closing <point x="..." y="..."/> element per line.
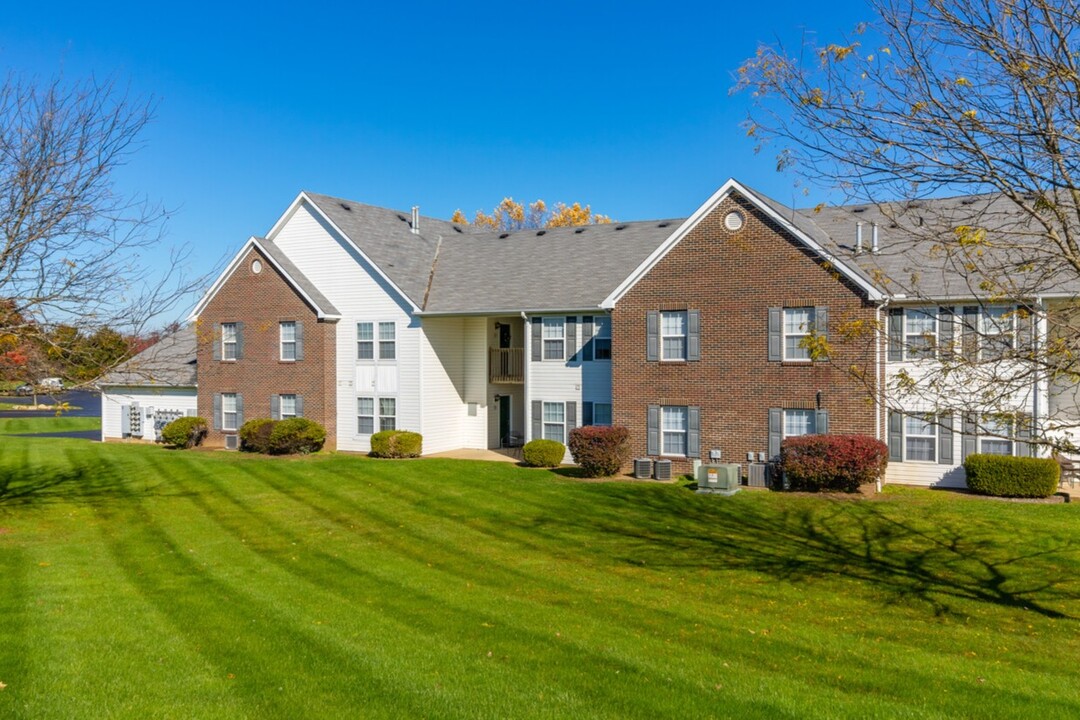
<point x="600" y="450"/>
<point x="832" y="462"/>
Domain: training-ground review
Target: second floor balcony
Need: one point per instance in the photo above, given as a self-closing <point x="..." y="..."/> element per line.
<point x="506" y="365"/>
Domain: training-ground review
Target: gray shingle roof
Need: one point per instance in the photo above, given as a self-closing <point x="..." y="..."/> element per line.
<point x="554" y="269"/>
<point x="386" y="237"/>
<point x="168" y="363"/>
<point x="301" y="280"/>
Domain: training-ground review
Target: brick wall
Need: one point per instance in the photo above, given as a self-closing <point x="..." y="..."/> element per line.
<point x="733" y="278"/>
<point x="261" y="301"/>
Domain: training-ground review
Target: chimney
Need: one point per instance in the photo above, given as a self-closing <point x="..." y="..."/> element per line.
<point x="874" y="240"/>
<point x="858" y="238"/>
<point x="416" y="219"/>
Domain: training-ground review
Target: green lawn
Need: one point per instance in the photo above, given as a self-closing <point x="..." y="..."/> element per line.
<point x="136" y="582"/>
<point x="38" y="424"/>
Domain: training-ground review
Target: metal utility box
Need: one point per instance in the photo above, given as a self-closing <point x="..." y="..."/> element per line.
<point x="662" y="469"/>
<point x="726" y="477"/>
<point x="757" y="475"/>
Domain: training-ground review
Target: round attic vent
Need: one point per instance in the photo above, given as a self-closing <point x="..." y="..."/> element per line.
<point x="733" y="220"/>
<point x="256" y="266"/>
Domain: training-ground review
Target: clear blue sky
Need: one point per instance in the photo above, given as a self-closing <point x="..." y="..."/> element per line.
<point x="621" y="105"/>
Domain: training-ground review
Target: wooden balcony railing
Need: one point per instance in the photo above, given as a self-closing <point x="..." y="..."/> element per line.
<point x="506" y="365"/>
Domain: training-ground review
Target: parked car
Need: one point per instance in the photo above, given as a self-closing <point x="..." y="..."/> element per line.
<point x="25" y="389"/>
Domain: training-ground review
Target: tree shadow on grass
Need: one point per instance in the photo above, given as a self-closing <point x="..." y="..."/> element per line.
<point x="892" y="548"/>
<point x="80" y="483"/>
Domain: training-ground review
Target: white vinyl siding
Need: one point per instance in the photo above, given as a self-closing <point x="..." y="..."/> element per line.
<point x="182" y="400"/>
<point x="798" y="324"/>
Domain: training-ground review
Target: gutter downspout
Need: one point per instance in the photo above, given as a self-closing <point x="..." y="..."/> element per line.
<point x="526" y="359"/>
<point x="879" y="367"/>
<point x="1035" y="404"/>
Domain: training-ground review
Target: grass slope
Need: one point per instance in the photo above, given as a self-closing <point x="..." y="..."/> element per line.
<point x="50" y="423"/>
<point x="139" y="582"/>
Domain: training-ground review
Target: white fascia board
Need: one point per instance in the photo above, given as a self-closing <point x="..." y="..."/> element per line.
<point x="707" y="207"/>
<point x="253" y="242"/>
<point x="303" y="198"/>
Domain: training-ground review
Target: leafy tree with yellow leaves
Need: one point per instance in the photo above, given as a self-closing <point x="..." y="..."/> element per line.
<point x="510" y="215"/>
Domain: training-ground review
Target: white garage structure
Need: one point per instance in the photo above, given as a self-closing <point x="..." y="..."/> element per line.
<point x="155" y="387"/>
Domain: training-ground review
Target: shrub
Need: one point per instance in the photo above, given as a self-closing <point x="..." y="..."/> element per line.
<point x="184" y="432"/>
<point x="543" y="453"/>
<point x="600" y="450"/>
<point x="396" y="444"/>
<point x="832" y="462"/>
<point x="1005" y="476"/>
<point x="296" y="435"/>
<point x="255" y="435"/>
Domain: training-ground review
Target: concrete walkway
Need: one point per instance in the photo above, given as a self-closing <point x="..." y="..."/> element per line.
<point x="470" y="454"/>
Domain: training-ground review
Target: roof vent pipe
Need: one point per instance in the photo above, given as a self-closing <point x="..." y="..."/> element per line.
<point x="858" y="238"/>
<point x="416" y="219"/>
<point x="874" y="239"/>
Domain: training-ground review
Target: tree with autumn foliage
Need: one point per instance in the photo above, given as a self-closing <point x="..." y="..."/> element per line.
<point x="510" y="215"/>
<point x="937" y="98"/>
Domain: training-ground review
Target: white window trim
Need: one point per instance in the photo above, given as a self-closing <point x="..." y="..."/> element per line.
<point x="380" y="415"/>
<point x="605" y="325"/>
<point x="226" y="343"/>
<point x="935" y="335"/>
<point x="552" y="322"/>
<point x="905" y="435"/>
<point x="374" y="416"/>
<point x="282" y="415"/>
<point x="685" y="432"/>
<point x="393" y="342"/>
<point x="783" y="422"/>
<point x="784" y="334"/>
<point x="282" y="342"/>
<point x="545" y="423"/>
<point x="371" y="342"/>
<point x="226" y="426"/>
<point x="1010" y="437"/>
<point x="685" y="335"/>
<point x="989" y="330"/>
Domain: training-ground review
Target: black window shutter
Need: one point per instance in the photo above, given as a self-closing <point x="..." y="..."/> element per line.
<point x="586" y="413"/>
<point x="239" y="341"/>
<point x="776" y="432"/>
<point x="299" y="406"/>
<point x="571" y="336"/>
<point x="652" y="329"/>
<point x="693" y="431"/>
<point x="945" y="439"/>
<point x="821" y="422"/>
<point x="1023" y="435"/>
<point x="217" y="411"/>
<point x="239" y="410"/>
<point x="896" y="334"/>
<point x="653" y="430"/>
<point x="821" y="327"/>
<point x="275" y="407"/>
<point x="299" y="340"/>
<point x="693" y="335"/>
<point x="586" y="338"/>
<point x="776" y="335"/>
<point x="537" y="419"/>
<point x="946" y="326"/>
<point x="537" y="339"/>
<point x="896" y="436"/>
<point x="968" y="439"/>
<point x="970" y="336"/>
<point x="217" y="341"/>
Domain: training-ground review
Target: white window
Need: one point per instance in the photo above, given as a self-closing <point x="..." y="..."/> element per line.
<point x="920" y="332"/>
<point x="601" y="413"/>
<point x="997" y="436"/>
<point x="387" y="341"/>
<point x="228" y="341"/>
<point x="387" y="414"/>
<point x="997" y="326"/>
<point x="365" y="415"/>
<point x="228" y="411"/>
<point x="673" y="427"/>
<point x="602" y="338"/>
<point x="798" y="325"/>
<point x="555" y="421"/>
<point x="673" y="335"/>
<point x="365" y="341"/>
<point x="799" y="422"/>
<point x="554" y="338"/>
<point x="287" y="331"/>
<point x="920" y="438"/>
<point x="288" y="406"/>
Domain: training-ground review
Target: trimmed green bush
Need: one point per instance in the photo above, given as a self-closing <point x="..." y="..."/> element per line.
<point x="832" y="462"/>
<point x="184" y="432"/>
<point x="543" y="453"/>
<point x="600" y="450"/>
<point x="296" y="435"/>
<point x="1006" y="476"/>
<point x="396" y="444"/>
<point x="255" y="435"/>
